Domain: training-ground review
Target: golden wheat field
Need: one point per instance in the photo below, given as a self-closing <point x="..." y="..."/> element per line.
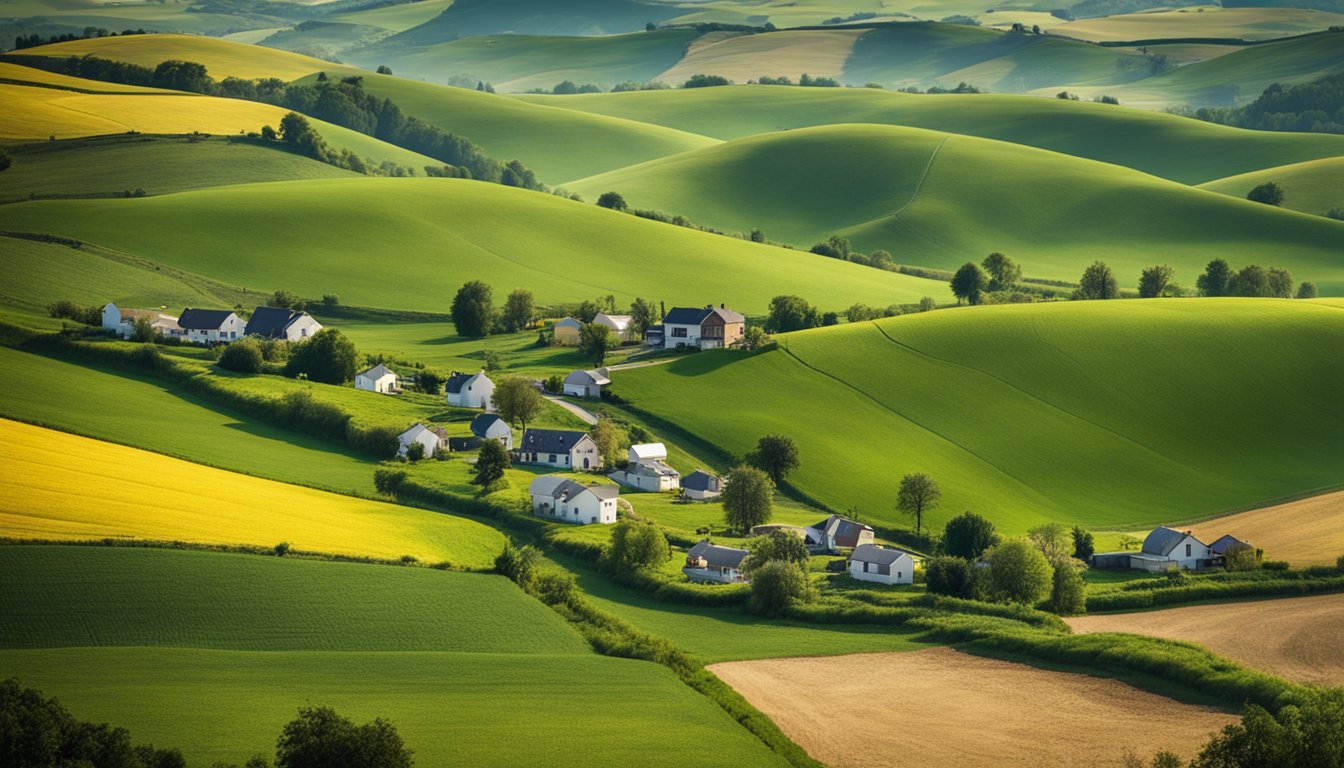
<point x="65" y="487"/>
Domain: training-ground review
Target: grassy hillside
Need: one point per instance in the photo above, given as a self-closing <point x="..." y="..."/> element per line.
<point x="1181" y="149"/>
<point x="469" y="18"/>
<point x="1242" y="23"/>
<point x="21" y="74"/>
<point x="455" y="661"/>
<point x="1100" y="414"/>
<point x="112" y="165"/>
<point x="223" y="58"/>
<point x="515" y="63"/>
<point x="395" y="18"/>
<point x="791" y="52"/>
<point x="119" y="492"/>
<point x="410" y="243"/>
<point x="1237" y="77"/>
<point x="1312" y="187"/>
<point x="936" y="199"/>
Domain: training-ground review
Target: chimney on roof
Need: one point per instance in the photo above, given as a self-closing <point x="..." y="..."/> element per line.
<point x="723" y="306"/>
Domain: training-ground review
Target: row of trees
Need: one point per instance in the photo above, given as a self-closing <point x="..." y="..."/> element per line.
<point x="1315" y="107"/>
<point x="327" y="356"/>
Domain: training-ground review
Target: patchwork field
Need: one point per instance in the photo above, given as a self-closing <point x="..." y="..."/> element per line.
<point x="1299" y="638"/>
<point x="923" y="705"/>
<point x="1314" y="187"/>
<point x="791" y="53"/>
<point x="933" y="199"/>
<point x="1207" y="22"/>
<point x="456" y="661"/>
<point x="1085" y="412"/>
<point x="222" y="58"/>
<point x="111" y="491"/>
<point x="1305" y="532"/>
<point x="428" y="236"/>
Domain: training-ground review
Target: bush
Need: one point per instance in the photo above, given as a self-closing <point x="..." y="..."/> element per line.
<point x="1068" y="592"/>
<point x="968" y="535"/>
<point x="242" y="356"/>
<point x="705" y="81"/>
<point x="555" y="587"/>
<point x="1018" y="573"/>
<point x="327" y="356"/>
<point x="281" y="549"/>
<point x="517" y="564"/>
<point x="1307" y="735"/>
<point x="951" y="576"/>
<point x="1268" y="193"/>
<point x="634" y="545"/>
<point x="1339" y="564"/>
<point x="388" y="481"/>
<point x="779" y="546"/>
<point x="320" y="738"/>
<point x="80" y="313"/>
<point x="777" y="586"/>
<point x="1083" y="547"/>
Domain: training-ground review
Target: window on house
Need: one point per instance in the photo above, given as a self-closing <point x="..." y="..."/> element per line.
<point x="1187" y="550"/>
<point x="898" y="574"/>
<point x="552" y="458"/>
<point x="678" y="333"/>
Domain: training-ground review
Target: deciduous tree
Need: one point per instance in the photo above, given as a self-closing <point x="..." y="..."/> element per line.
<point x="473" y="310"/>
<point x="778" y="586"/>
<point x="791" y="313"/>
<point x="595" y="341"/>
<point x="517" y="401"/>
<point x="491" y="462"/>
<point x="519" y="311"/>
<point x="776" y="455"/>
<point x="1154" y="281"/>
<point x="1003" y="273"/>
<point x="1214" y="282"/>
<point x="748" y="498"/>
<point x="919" y="494"/>
<point x="1098" y="282"/>
<point x="1018" y="573"/>
<point x="968" y="284"/>
<point x="327" y="356"/>
<point x="1269" y="193"/>
<point x="968" y="535"/>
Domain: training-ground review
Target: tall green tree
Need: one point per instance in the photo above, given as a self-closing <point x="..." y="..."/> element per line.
<point x="1018" y="573"/>
<point x="748" y="498"/>
<point x="491" y="463"/>
<point x="517" y="401"/>
<point x="473" y="310"/>
<point x="778" y="545"/>
<point x="643" y="316"/>
<point x="1154" y="281"/>
<point x="969" y="283"/>
<point x="1052" y="539"/>
<point x="791" y="313"/>
<point x="968" y="535"/>
<point x="1215" y="280"/>
<point x="1269" y="193"/>
<point x="321" y="738"/>
<point x="635" y="544"/>
<point x="1003" y="272"/>
<point x="1068" y="591"/>
<point x="1098" y="282"/>
<point x="1251" y="280"/>
<point x="327" y="356"/>
<point x="776" y="455"/>
<point x="779" y="585"/>
<point x="519" y="311"/>
<point x="595" y="341"/>
<point x="1083" y="547"/>
<point x="1307" y="290"/>
<point x="610" y="439"/>
<point x="919" y="494"/>
<point x="1280" y="283"/>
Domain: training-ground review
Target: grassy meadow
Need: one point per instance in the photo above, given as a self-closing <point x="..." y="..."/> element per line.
<point x="457" y="661"/>
<point x="1206" y="22"/>
<point x="410" y="243"/>
<point x="933" y="199"/>
<point x="818" y="52"/>
<point x="223" y="58"/>
<point x="113" y="491"/>
<point x="1314" y="187"/>
<point x="1099" y="414"/>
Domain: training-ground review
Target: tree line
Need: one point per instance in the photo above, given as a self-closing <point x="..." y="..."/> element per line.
<point x="1315" y="107"/>
<point x="34" y="40"/>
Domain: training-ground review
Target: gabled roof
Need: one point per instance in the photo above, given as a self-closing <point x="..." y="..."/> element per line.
<point x="203" y="319"/>
<point x="153" y="315"/>
<point x="594" y="377"/>
<point x="550" y="440"/>
<point x="568" y="322"/>
<point x="686" y="315"/>
<point x="377" y="372"/>
<point x="568" y="490"/>
<point x="1162" y="540"/>
<point x="716" y="556"/>
<point x="1226" y="543"/>
<point x="700" y="480"/>
<point x="728" y="315"/>
<point x="545" y="485"/>
<point x="459" y="380"/>
<point x="868" y="553"/>
<point x="480" y="426"/>
<point x="271" y="321"/>
<point x="412" y="432"/>
<point x="839" y="527"/>
<point x="649" y="451"/>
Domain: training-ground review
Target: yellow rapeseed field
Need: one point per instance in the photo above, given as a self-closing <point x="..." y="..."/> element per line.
<point x="222" y="58"/>
<point x="22" y="74"/>
<point x="36" y="113"/>
<point x="62" y="486"/>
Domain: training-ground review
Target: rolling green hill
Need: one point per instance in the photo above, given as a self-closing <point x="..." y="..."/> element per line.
<point x="410" y="243"/>
<point x="515" y="63"/>
<point x="1181" y="149"/>
<point x="935" y="199"/>
<point x="223" y="58"/>
<point x="469" y="18"/>
<point x="455" y="661"/>
<point x="1096" y="413"/>
<point x="112" y="165"/>
<point x="1312" y="187"/>
<point x="1215" y="22"/>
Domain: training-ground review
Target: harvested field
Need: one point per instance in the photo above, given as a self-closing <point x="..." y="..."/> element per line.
<point x="1300" y="638"/>
<point x="1305" y="532"/>
<point x="922" y="704"/>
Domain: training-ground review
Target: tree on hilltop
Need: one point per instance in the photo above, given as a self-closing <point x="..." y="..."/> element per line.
<point x="775" y="455"/>
<point x="613" y="200"/>
<point x="1268" y="193"/>
<point x="969" y="283"/>
<point x="1003" y="272"/>
<point x="1098" y="282"/>
<point x="918" y="495"/>
<point x="1155" y="281"/>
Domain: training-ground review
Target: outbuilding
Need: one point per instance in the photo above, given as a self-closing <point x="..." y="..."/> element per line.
<point x="434" y="439"/>
<point x="712" y="564"/>
<point x="565" y="332"/>
<point x="489" y="426"/>
<point x="883" y="565"/>
<point x="701" y="485"/>
<point x="562" y="499"/>
<point x="587" y="384"/>
<point x="377" y="379"/>
<point x="470" y="390"/>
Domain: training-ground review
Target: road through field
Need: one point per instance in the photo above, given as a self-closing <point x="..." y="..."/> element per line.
<point x="1300" y="638"/>
<point x="862" y="709"/>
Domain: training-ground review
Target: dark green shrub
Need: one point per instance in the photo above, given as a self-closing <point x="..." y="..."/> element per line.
<point x="949" y="576"/>
<point x="777" y="586"/>
<point x="388" y="481"/>
<point x="242" y="356"/>
<point x="555" y="587"/>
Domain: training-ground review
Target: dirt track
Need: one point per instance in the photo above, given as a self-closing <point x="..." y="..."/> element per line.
<point x="1306" y="532"/>
<point x="1300" y="638"/>
<point x="940" y="708"/>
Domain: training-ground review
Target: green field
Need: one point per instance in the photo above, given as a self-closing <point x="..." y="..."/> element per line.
<point x="1101" y="414"/>
<point x="539" y="17"/>
<point x="1211" y="22"/>
<point x="935" y="199"/>
<point x="112" y="165"/>
<point x="410" y="243"/>
<point x="457" y="662"/>
<point x="743" y="57"/>
<point x="1314" y="187"/>
<point x="395" y="18"/>
<point x="516" y="63"/>
<point x="222" y="58"/>
<point x="1180" y="149"/>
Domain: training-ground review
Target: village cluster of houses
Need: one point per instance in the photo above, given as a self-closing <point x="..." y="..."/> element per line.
<point x="707" y="327"/>
<point x="213" y="326"/>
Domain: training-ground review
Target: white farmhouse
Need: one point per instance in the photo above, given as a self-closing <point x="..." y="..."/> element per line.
<point x="211" y="326"/>
<point x="701" y="485"/>
<point x="559" y="448"/>
<point x="562" y="499"/>
<point x="587" y="384"/>
<point x="379" y="378"/>
<point x="434" y="439"/>
<point x="489" y="426"/>
<point x="122" y="321"/>
<point x="470" y="390"/>
<point x="647" y="469"/>
<point x="282" y="324"/>
<point x="619" y="325"/>
<point x="709" y="327"/>
<point x="884" y="566"/>
<point x="1163" y="549"/>
<point x="710" y="563"/>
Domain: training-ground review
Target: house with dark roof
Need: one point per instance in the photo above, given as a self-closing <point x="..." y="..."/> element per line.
<point x="701" y="485"/>
<point x="281" y="323"/>
<point x="712" y="564"/>
<point x="706" y="327"/>
<point x="835" y="533"/>
<point x="489" y="426"/>
<point x="587" y="384"/>
<point x="211" y="326"/>
<point x="379" y="378"/>
<point x="562" y="499"/>
<point x="561" y="448"/>
<point x="470" y="390"/>
<point x="1163" y="549"/>
<point x="884" y="565"/>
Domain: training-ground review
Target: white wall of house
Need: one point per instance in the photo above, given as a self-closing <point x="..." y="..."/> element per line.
<point x="902" y="571"/>
<point x="582" y="456"/>
<point x="423" y="437"/>
<point x="229" y="330"/>
<point x="476" y="392"/>
<point x="500" y="432"/>
<point x="112" y="317"/>
<point x="583" y="509"/>
<point x="589" y="391"/>
<point x="385" y="383"/>
<point x="301" y="328"/>
<point x="714" y="575"/>
<point x="683" y="334"/>
<point x="700" y="495"/>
